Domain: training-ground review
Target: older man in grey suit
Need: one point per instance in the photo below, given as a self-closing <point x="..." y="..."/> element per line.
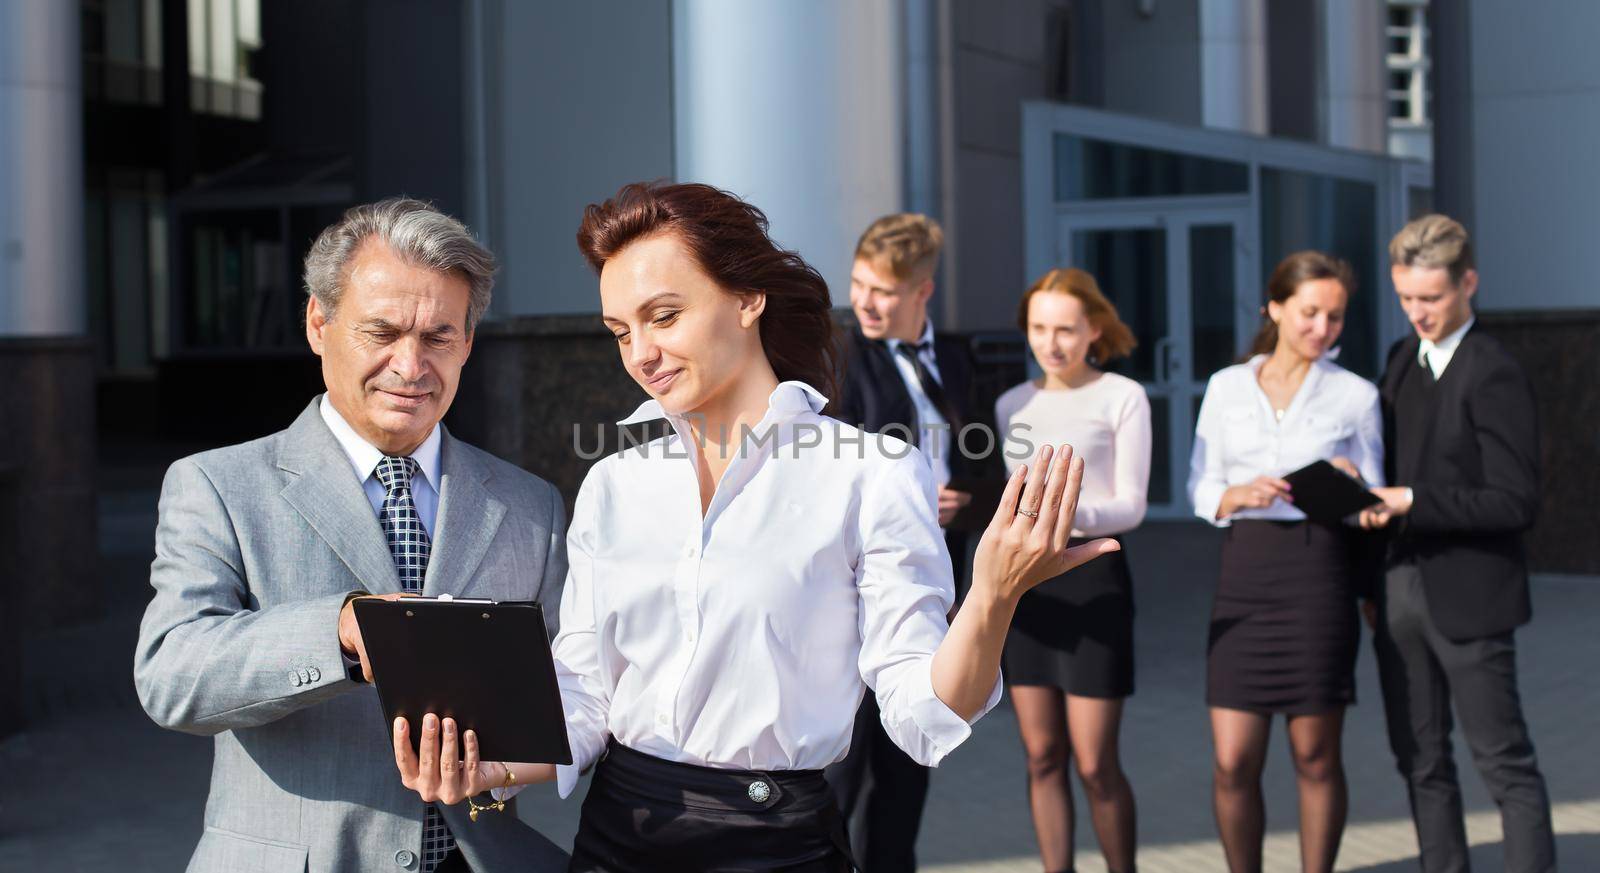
<point x="260" y="548"/>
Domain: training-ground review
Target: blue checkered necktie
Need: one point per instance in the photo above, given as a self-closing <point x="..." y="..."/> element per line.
<point x="410" y="546"/>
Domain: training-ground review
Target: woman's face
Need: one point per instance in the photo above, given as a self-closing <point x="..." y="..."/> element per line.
<point x="1310" y="321"/>
<point x="1059" y="332"/>
<point x="682" y="337"/>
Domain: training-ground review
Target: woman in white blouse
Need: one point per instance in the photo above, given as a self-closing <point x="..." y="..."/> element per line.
<point x="736" y="586"/>
<point x="1284" y="630"/>
<point x="1069" y="657"/>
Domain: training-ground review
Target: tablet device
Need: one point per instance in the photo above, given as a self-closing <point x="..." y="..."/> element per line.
<point x="1327" y="494"/>
<point x="485" y="664"/>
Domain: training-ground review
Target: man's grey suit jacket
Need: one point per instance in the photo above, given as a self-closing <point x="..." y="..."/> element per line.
<point x="257" y="546"/>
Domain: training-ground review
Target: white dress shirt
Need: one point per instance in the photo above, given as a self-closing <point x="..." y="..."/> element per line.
<point x="1335" y="413"/>
<point x="364" y="457"/>
<point x="936" y="438"/>
<point x="1107" y="423"/>
<point x="1436" y="355"/>
<point x="746" y="638"/>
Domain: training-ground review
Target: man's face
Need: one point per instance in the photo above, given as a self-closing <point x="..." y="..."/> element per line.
<point x="886" y="307"/>
<point x="1435" y="306"/>
<point x="392" y="353"/>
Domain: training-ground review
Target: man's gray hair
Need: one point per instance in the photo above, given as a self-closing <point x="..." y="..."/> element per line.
<point x="417" y="233"/>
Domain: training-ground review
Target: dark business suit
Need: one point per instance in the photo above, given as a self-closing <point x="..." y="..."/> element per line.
<point x="880" y="789"/>
<point x="1456" y="588"/>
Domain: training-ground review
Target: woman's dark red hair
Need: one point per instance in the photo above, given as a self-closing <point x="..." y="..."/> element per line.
<point x="728" y="238"/>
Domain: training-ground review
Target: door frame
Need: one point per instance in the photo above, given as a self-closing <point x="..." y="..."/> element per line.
<point x="1176" y="382"/>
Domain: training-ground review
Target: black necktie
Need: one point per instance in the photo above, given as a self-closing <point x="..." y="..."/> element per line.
<point x="411" y="547"/>
<point x="930" y="386"/>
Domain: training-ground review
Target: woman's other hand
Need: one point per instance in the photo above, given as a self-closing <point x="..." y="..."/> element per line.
<point x="1026" y="541"/>
<point x="1348" y="467"/>
<point x="1259" y="493"/>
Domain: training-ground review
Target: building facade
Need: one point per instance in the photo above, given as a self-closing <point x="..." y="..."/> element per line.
<point x="168" y="162"/>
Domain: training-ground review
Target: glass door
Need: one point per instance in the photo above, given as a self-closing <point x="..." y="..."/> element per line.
<point x="1180" y="279"/>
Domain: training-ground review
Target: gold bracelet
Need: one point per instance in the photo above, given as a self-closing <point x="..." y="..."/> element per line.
<point x="499" y="805"/>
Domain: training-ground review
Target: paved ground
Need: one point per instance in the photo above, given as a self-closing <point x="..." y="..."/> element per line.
<point x="95" y="786"/>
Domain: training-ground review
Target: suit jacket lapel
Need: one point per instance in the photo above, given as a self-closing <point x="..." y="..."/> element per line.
<point x="324" y="490"/>
<point x="469" y="517"/>
<point x="885" y="383"/>
<point x="1403" y="357"/>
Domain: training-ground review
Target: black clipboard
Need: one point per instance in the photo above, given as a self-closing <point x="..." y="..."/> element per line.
<point x="485" y="664"/>
<point x="1328" y="494"/>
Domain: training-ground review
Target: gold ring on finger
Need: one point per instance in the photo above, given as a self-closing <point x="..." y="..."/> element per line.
<point x="1031" y="513"/>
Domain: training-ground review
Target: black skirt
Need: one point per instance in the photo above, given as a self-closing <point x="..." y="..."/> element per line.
<point x="1284" y="631"/>
<point x="1075" y="632"/>
<point x="644" y="815"/>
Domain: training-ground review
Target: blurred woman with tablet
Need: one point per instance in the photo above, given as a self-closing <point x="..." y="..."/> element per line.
<point x="1284" y="630"/>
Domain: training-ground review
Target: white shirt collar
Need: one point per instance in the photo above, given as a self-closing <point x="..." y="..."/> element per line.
<point x="1327" y="360"/>
<point x="786" y="401"/>
<point x="1446" y="346"/>
<point x="364" y="456"/>
<point x="924" y="342"/>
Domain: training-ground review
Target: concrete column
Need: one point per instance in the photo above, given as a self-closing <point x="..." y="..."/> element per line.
<point x="796" y="108"/>
<point x="1354" y="79"/>
<point x="923" y="97"/>
<point x="1454" y="110"/>
<point x="1233" y="65"/>
<point x="47" y="422"/>
<point x="41" y="170"/>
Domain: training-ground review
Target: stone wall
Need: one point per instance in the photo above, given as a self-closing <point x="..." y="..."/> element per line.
<point x="1561" y="353"/>
<point x="48" y="438"/>
<point x="10" y="624"/>
<point x="532" y="383"/>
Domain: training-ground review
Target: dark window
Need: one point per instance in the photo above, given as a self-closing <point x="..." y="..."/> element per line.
<point x="1337" y="216"/>
<point x="1093" y="169"/>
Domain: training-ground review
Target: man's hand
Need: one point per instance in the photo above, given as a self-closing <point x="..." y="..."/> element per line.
<point x="350" y="632"/>
<point x="1396" y="502"/>
<point x="950" y="503"/>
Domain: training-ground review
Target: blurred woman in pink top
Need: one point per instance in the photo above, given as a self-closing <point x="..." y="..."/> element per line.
<point x="1069" y="657"/>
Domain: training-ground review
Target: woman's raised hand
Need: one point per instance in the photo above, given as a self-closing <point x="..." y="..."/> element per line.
<point x="435" y="771"/>
<point x="1026" y="541"/>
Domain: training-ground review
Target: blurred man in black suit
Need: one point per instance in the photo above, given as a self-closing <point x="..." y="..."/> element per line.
<point x="902" y="380"/>
<point x="1462" y="448"/>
